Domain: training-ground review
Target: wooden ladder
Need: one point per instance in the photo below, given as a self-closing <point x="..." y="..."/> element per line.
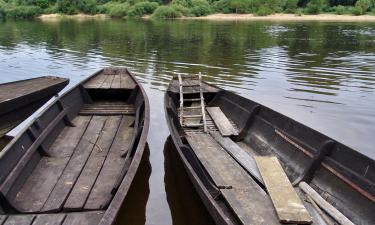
<point x="200" y="99"/>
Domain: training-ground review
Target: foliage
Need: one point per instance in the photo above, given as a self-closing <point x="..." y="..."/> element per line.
<point x="50" y="10"/>
<point x="181" y="9"/>
<point x="290" y="6"/>
<point x="184" y="3"/>
<point x="166" y="12"/>
<point x="200" y="8"/>
<point x="264" y="11"/>
<point x="114" y="9"/>
<point x="65" y="6"/>
<point x="142" y="8"/>
<point x="364" y="5"/>
<point x="86" y="6"/>
<point x="22" y="12"/>
<point x="315" y="6"/>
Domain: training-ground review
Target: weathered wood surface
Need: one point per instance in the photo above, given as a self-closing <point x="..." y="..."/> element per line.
<point x="248" y="201"/>
<point x="116" y="79"/>
<point x="240" y="155"/>
<point x="175" y="87"/>
<point x="85" y="182"/>
<point x="87" y="218"/>
<point x="221" y="121"/>
<point x="287" y="203"/>
<point x="49" y="219"/>
<point x="187" y="111"/>
<point x="101" y="194"/>
<point x="75" y="165"/>
<point x="19" y="220"/>
<point x="107" y="109"/>
<point x="14" y="90"/>
<point x="327" y="207"/>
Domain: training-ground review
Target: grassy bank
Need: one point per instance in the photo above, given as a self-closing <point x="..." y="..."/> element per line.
<point x="207" y="9"/>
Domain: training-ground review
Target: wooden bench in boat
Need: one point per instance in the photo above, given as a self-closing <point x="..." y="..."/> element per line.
<point x="221" y="121"/>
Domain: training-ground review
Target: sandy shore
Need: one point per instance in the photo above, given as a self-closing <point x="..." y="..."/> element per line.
<point x="232" y="17"/>
<point x="286" y="17"/>
<point x="52" y="17"/>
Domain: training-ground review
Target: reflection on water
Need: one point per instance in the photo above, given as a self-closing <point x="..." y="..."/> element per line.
<point x="319" y="73"/>
<point x="185" y="205"/>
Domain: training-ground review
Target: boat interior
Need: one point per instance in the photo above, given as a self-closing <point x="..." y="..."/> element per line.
<point x="67" y="165"/>
<point x="230" y="178"/>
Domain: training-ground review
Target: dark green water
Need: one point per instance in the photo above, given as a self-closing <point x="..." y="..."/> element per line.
<point x="321" y="74"/>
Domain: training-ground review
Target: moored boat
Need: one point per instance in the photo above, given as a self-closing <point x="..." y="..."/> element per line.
<point x="19" y="99"/>
<point x="225" y="142"/>
<point x="74" y="163"/>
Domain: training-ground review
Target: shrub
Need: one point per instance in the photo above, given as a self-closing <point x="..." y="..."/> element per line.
<point x="290" y="6"/>
<point x="298" y="12"/>
<point x="51" y="10"/>
<point x="65" y="6"/>
<point x="185" y="3"/>
<point x="200" y="8"/>
<point x="114" y="9"/>
<point x="222" y="6"/>
<point x="263" y="11"/>
<point x="339" y="10"/>
<point x="23" y="12"/>
<point x="239" y="6"/>
<point x="166" y="12"/>
<point x="356" y="11"/>
<point x="315" y="6"/>
<point x="87" y="6"/>
<point x="142" y="8"/>
<point x="181" y="9"/>
<point x="364" y="5"/>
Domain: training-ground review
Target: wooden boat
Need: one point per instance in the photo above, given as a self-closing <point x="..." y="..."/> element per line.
<point x="334" y="183"/>
<point x="19" y="99"/>
<point x="74" y="163"/>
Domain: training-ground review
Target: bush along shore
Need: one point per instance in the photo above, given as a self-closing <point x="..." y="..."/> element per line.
<point x="164" y="9"/>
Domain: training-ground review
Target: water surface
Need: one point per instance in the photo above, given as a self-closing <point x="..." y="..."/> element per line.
<point x="319" y="73"/>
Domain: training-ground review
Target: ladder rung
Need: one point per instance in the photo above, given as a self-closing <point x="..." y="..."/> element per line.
<point x="192" y="99"/>
<point x="193" y="125"/>
<point x="192" y="116"/>
<point x="190" y="85"/>
<point x="192" y="107"/>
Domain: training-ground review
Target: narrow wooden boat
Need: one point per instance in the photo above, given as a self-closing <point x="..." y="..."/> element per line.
<point x="19" y="99"/>
<point x="74" y="163"/>
<point x="334" y="183"/>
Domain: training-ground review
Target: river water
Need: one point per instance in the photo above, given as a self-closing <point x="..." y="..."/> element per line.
<point x="321" y="74"/>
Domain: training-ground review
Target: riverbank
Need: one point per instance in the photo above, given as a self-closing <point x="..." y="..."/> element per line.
<point x="286" y="17"/>
<point x="231" y="17"/>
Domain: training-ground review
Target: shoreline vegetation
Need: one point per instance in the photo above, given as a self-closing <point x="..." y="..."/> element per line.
<point x="283" y="10"/>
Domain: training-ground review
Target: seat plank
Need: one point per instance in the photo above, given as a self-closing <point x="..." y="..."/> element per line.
<point x="107" y="82"/>
<point x="19" y="220"/>
<point x="2" y="219"/>
<point x="249" y="202"/>
<point x="75" y="165"/>
<point x="101" y="194"/>
<point x="127" y="82"/>
<point x="221" y="121"/>
<point x="95" y="82"/>
<point x="86" y="180"/>
<point x="87" y="218"/>
<point x="288" y="205"/>
<point x="116" y="82"/>
<point x="240" y="155"/>
<point x="36" y="189"/>
<point x="49" y="219"/>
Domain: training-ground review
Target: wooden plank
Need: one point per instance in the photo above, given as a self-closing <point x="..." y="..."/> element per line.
<point x="75" y="165"/>
<point x="86" y="218"/>
<point x="116" y="82"/>
<point x="49" y="219"/>
<point x="38" y="186"/>
<point x="240" y="155"/>
<point x="288" y="205"/>
<point x="107" y="82"/>
<point x="19" y="220"/>
<point x="90" y="172"/>
<point x="95" y="82"/>
<point x="2" y="219"/>
<point x="332" y="211"/>
<point x="187" y="111"/>
<point x="101" y="194"/>
<point x="127" y="82"/>
<point x="221" y="121"/>
<point x="248" y="201"/>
